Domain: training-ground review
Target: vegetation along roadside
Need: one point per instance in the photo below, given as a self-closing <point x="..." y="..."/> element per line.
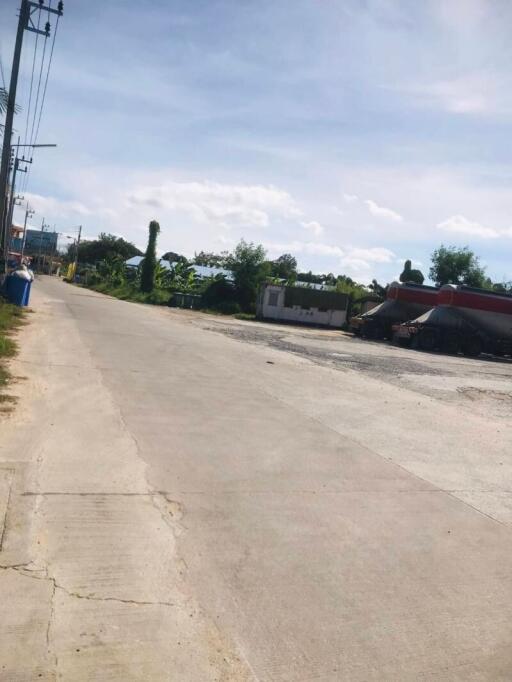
<point x="11" y="317"/>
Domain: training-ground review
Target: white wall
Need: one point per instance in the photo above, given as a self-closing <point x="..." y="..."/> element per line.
<point x="331" y="318"/>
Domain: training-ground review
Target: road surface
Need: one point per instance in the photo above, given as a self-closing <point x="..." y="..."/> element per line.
<point x="187" y="498"/>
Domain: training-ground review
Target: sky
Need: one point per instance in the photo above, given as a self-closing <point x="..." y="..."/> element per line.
<point x="351" y="133"/>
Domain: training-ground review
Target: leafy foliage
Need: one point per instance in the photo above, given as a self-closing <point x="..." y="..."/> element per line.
<point x="173" y="257"/>
<point x="284" y="267"/>
<point x="411" y="275"/>
<point x="113" y="270"/>
<point x="4" y="98"/>
<point x="377" y="289"/>
<point x="181" y="277"/>
<point x="147" y="277"/>
<point x="219" y="294"/>
<point x="214" y="260"/>
<point x="105" y="247"/>
<point x="453" y="265"/>
<point x="249" y="268"/>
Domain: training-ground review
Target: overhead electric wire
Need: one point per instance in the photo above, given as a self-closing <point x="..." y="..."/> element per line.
<point x="46" y="80"/>
<point x="33" y="139"/>
<point x="32" y="78"/>
<point x="37" y="95"/>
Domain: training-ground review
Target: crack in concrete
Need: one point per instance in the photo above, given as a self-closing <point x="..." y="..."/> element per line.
<point x="49" y="646"/>
<point x="29" y="573"/>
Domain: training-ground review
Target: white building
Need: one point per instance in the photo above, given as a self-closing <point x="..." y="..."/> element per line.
<point x="301" y="304"/>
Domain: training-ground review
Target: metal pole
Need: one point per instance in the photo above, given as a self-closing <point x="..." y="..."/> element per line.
<point x="9" y="116"/>
<point x="40" y="247"/>
<point x="76" y="252"/>
<point x="27" y="212"/>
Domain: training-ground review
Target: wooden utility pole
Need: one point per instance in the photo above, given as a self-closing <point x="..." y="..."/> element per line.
<point x="24" y="23"/>
<point x="9" y="117"/>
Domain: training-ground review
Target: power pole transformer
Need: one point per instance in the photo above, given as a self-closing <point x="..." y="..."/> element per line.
<point x="25" y="23"/>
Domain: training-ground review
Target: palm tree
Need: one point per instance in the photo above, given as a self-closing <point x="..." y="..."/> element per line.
<point x="4" y="98"/>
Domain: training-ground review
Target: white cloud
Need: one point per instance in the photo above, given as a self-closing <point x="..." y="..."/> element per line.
<point x="477" y="92"/>
<point x="350" y="198"/>
<point x="355" y="259"/>
<point x="458" y="224"/>
<point x="314" y="227"/>
<point x="50" y="206"/>
<point x="219" y="204"/>
<point x="309" y="248"/>
<point x="382" y="212"/>
<point x="376" y="254"/>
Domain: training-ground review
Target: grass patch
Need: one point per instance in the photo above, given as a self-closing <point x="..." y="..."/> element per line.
<point x="246" y="316"/>
<point x="11" y="317"/>
<point x="127" y="292"/>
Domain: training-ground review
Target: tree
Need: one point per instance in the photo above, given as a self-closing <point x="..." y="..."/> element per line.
<point x="346" y="285"/>
<point x="378" y="289"/>
<point x="454" y="265"/>
<point x="247" y="263"/>
<point x="113" y="270"/>
<point x="4" y="99"/>
<point x="310" y="277"/>
<point x="147" y="276"/>
<point x="173" y="257"/>
<point x="285" y="267"/>
<point x="105" y="247"/>
<point x="213" y="260"/>
<point x="410" y="275"/>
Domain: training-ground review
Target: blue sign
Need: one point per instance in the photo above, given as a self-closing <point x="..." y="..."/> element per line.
<point x="37" y="241"/>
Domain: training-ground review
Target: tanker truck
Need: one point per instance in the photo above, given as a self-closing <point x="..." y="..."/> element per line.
<point x="466" y="319"/>
<point x="403" y="302"/>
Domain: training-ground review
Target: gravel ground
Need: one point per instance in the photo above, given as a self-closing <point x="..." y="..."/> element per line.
<point x="483" y="385"/>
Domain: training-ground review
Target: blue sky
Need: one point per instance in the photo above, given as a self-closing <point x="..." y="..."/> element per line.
<point x="352" y="133"/>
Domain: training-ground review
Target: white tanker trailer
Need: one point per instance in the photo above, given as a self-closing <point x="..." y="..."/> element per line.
<point x="403" y="302"/>
<point x="465" y="319"/>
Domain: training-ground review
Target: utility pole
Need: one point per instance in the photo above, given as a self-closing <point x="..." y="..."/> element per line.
<point x="41" y="245"/>
<point x="24" y="23"/>
<point x="28" y="214"/>
<point x="76" y="251"/>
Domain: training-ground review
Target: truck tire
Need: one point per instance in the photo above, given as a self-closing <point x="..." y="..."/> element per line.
<point x="472" y="346"/>
<point x="451" y="343"/>
<point x="427" y="339"/>
<point x="374" y="330"/>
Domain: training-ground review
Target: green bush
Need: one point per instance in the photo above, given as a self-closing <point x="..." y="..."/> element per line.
<point x="227" y="307"/>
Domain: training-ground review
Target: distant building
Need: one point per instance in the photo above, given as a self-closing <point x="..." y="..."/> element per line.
<point x="302" y="304"/>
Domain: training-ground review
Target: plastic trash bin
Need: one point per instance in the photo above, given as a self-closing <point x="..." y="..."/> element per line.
<point x="18" y="290"/>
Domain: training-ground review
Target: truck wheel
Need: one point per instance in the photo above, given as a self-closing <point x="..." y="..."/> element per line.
<point x="451" y="343"/>
<point x="373" y="331"/>
<point x="427" y="339"/>
<point x="472" y="346"/>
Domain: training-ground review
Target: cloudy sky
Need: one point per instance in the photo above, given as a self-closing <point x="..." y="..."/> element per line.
<point x="351" y="133"/>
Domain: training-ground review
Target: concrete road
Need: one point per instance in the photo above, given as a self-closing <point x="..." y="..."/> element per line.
<point x="188" y="499"/>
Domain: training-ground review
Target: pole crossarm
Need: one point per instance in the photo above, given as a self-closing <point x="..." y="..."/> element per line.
<point x="54" y="10"/>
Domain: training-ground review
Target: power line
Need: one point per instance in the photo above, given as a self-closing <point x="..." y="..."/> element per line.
<point x="32" y="77"/>
<point x="47" y="76"/>
<point x="38" y="89"/>
<point x="34" y="141"/>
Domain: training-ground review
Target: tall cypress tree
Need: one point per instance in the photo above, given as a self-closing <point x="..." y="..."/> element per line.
<point x="147" y="277"/>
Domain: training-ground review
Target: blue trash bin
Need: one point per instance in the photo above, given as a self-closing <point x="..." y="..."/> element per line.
<point x="18" y="290"/>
